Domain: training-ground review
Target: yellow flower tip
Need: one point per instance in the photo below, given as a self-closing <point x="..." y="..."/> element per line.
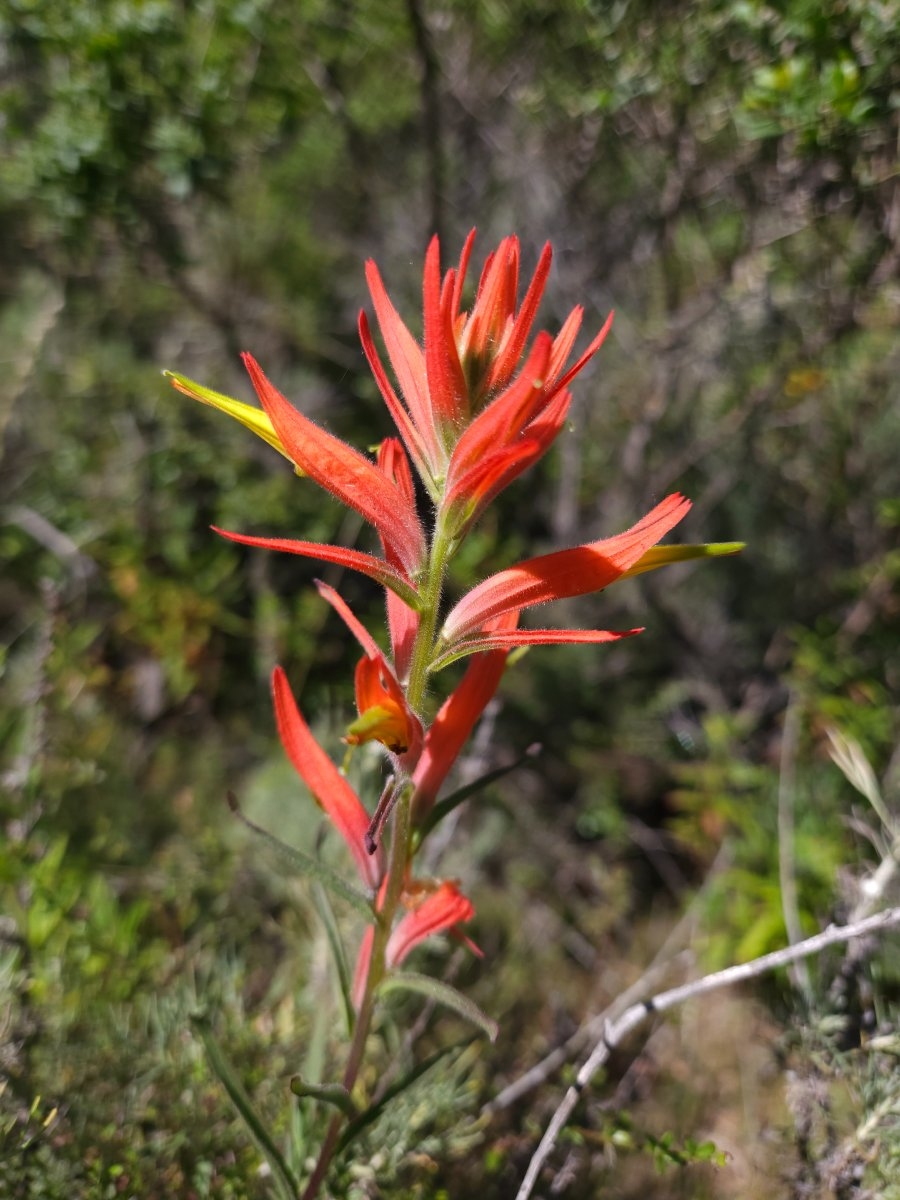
<point x="248" y="415"/>
<point x="379" y="724"/>
<point x="662" y="556"/>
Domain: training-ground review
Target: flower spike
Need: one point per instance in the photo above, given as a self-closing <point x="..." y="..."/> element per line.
<point x="478" y="399"/>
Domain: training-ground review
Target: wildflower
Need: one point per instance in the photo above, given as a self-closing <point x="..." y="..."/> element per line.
<point x="469" y="428"/>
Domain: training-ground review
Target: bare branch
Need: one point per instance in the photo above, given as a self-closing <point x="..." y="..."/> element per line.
<point x="669" y="955"/>
<point x="638" y="1013"/>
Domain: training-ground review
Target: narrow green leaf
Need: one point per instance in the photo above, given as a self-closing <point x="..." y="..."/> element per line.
<point x="306" y="864"/>
<point x="326" y="915"/>
<point x="449" y="803"/>
<point x="287" y="1185"/>
<point x="367" y="1118"/>
<point x="441" y="993"/>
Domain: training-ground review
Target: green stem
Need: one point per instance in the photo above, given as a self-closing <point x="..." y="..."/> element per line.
<point x="430" y="592"/>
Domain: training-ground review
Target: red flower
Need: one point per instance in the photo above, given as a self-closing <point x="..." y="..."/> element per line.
<point x="462" y="417"/>
<point x="384" y="714"/>
<point x="329" y="788"/>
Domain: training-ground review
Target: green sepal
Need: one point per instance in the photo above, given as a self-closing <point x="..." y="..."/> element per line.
<point x="661" y="556"/>
<point x="334" y="1094"/>
<point x="440" y="993"/>
<point x="306" y="864"/>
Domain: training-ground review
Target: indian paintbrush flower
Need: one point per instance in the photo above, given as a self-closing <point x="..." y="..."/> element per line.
<point x="474" y="406"/>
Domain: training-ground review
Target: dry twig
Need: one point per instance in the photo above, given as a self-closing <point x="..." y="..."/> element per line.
<point x="616" y="1031"/>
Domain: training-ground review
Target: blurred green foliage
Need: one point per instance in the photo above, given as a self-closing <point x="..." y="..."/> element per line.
<point x="181" y="182"/>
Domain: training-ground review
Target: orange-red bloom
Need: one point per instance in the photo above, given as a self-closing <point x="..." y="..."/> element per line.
<point x="329" y="788"/>
<point x="465" y="421"/>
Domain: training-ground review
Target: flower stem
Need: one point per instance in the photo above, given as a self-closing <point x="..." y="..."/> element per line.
<point x="398" y="864"/>
<point x="431" y="593"/>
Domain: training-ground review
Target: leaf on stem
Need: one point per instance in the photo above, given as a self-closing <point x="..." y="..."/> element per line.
<point x="440" y="993"/>
<point x="336" y="945"/>
<point x="449" y="803"/>
<point x="288" y="1186"/>
<point x="406" y="1081"/>
<point x="334" y="1094"/>
<point x="306" y="864"/>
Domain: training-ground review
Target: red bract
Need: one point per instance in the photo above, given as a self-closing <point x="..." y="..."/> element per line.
<point x="355" y="560"/>
<point x="403" y="620"/>
<point x="431" y="911"/>
<point x="346" y="473"/>
<point x="460" y="405"/>
<point x="456" y="720"/>
<point x="329" y="788"/>
<point x="433" y="908"/>
<point x="531" y="411"/>
<point x="575" y="572"/>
